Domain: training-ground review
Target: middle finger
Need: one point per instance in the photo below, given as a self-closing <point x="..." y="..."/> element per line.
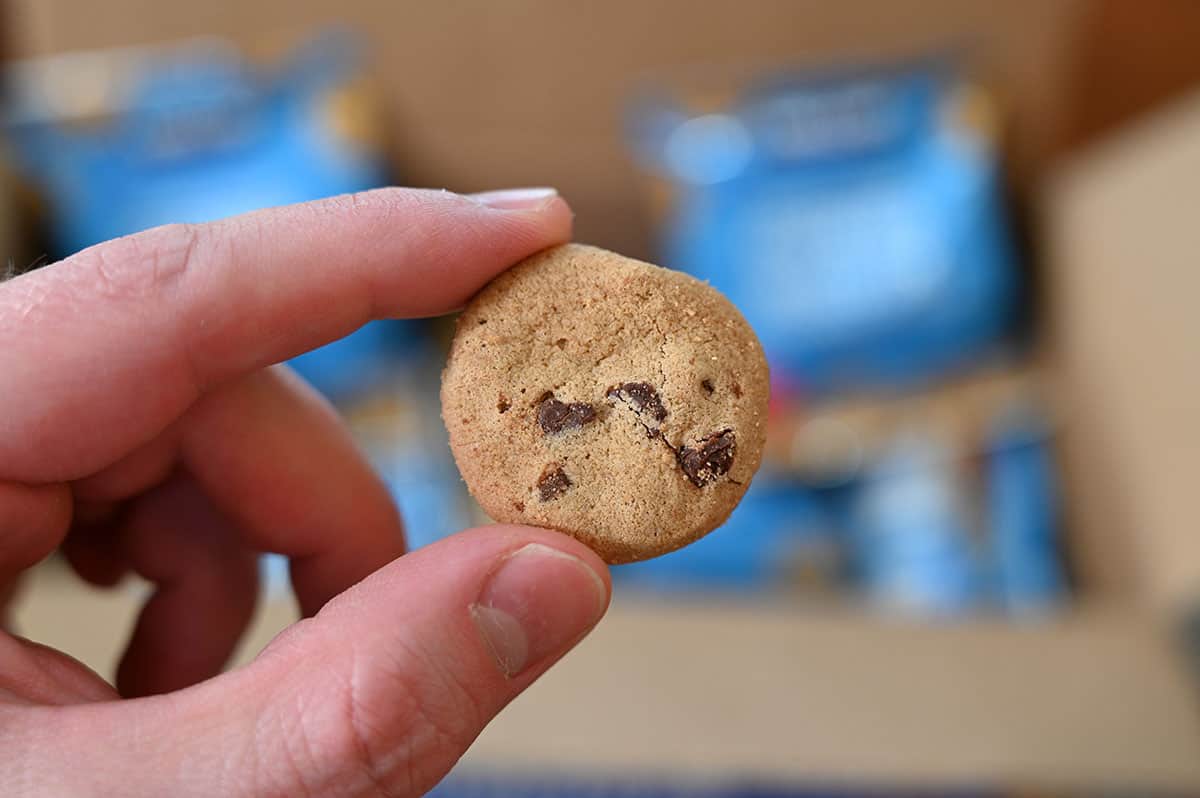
<point x="277" y="460"/>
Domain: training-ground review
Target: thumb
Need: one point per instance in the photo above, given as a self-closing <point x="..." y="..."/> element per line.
<point x="381" y="692"/>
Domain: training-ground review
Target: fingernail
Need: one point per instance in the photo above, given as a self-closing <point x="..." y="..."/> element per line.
<point x="540" y="601"/>
<point x="516" y="199"/>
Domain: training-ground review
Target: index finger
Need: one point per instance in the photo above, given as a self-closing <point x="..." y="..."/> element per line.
<point x="100" y="352"/>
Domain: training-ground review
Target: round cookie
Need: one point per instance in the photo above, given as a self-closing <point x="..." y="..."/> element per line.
<point x="619" y="402"/>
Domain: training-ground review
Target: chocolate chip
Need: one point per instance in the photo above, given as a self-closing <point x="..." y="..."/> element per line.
<point x="711" y="459"/>
<point x="502" y="404"/>
<point x="737" y="390"/>
<point x="553" y="482"/>
<point x="641" y="396"/>
<point x="555" y="416"/>
<point x="519" y="506"/>
<point x="707" y="385"/>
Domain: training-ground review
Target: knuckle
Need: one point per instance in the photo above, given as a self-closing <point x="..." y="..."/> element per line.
<point x="394" y="206"/>
<point x="361" y="203"/>
<point x="442" y="710"/>
<point x="140" y="266"/>
<point x="307" y="764"/>
<point x="382" y="730"/>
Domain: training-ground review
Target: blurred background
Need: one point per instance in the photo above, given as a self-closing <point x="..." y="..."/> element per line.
<point x="966" y="235"/>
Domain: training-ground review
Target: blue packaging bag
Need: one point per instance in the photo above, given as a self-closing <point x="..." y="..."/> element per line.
<point x="850" y="215"/>
<point x="1022" y="513"/>
<point x="192" y="133"/>
<point x="185" y="133"/>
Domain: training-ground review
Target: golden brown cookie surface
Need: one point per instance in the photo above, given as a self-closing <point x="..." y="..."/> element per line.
<point x="616" y="401"/>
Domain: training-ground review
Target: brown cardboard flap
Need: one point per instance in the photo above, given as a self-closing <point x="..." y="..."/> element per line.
<point x="713" y="691"/>
<point x="1123" y="225"/>
<point x="797" y="693"/>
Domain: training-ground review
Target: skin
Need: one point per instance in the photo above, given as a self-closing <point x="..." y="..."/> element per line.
<point x="145" y="429"/>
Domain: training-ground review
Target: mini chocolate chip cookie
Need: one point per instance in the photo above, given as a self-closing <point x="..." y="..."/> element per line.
<point x="619" y="402"/>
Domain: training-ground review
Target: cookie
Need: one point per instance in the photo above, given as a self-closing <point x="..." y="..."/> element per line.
<point x="619" y="402"/>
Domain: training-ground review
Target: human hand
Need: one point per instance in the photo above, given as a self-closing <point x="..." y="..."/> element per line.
<point x="143" y="428"/>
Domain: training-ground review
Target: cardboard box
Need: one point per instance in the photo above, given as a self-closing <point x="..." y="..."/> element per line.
<point x="800" y="695"/>
<point x="530" y="92"/>
<point x="1123" y="247"/>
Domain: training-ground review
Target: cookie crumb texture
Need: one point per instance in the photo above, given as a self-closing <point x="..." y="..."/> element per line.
<point x="619" y="402"/>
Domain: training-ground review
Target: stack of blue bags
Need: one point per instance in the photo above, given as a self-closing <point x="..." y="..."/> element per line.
<point x="856" y="216"/>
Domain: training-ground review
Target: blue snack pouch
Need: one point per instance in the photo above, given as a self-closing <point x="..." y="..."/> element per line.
<point x="114" y="142"/>
<point x="854" y="217"/>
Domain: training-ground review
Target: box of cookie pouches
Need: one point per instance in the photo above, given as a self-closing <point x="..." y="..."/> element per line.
<point x="1092" y="697"/>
